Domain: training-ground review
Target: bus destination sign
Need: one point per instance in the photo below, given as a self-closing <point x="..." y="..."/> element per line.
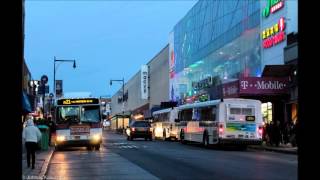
<point x="77" y="101"/>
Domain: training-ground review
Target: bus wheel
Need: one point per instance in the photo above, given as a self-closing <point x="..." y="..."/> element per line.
<point x="89" y="148"/>
<point x="182" y="137"/>
<point x="205" y="140"/>
<point x="97" y="147"/>
<point x="164" y="135"/>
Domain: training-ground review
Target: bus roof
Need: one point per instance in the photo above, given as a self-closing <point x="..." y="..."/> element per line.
<point x="162" y="111"/>
<point x="199" y="104"/>
<point x="214" y="102"/>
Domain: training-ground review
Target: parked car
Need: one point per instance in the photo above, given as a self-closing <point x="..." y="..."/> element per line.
<point x="139" y="129"/>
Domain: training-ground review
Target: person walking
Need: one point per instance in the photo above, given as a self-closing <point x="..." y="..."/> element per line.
<point x="31" y="135"/>
<point x="276" y="133"/>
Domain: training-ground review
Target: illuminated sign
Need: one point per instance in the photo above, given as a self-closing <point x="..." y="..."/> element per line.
<point x="250" y="118"/>
<point x="272" y="6"/>
<point x="274" y="35"/>
<point x="204" y="83"/>
<point x="77" y="101"/>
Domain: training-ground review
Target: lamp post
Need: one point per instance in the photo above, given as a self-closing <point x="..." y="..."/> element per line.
<point x="121" y="80"/>
<point x="54" y="72"/>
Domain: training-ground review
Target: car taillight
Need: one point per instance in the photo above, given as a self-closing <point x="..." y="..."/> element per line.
<point x="221" y="129"/>
<point x="132" y="129"/>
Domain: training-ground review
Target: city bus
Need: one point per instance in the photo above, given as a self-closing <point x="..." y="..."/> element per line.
<point x="229" y="121"/>
<point x="163" y="124"/>
<point x="78" y="122"/>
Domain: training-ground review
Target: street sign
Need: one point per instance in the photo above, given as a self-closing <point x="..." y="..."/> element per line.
<point x="44" y="79"/>
<point x="43" y="89"/>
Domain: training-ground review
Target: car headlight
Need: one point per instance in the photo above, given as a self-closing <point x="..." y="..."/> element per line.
<point x="61" y="138"/>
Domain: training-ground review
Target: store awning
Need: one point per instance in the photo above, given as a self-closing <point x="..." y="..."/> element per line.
<point x="277" y="70"/>
<point x="26" y="106"/>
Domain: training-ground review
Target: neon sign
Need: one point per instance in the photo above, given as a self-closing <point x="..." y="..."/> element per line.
<point x="274" y="34"/>
<point x="272" y="6"/>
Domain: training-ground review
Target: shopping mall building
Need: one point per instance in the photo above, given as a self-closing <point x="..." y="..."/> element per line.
<point x="237" y="48"/>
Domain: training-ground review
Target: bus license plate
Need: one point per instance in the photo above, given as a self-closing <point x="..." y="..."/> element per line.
<point x="76" y="137"/>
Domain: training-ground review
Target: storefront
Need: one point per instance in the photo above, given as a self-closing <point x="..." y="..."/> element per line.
<point x="119" y="122"/>
<point x="273" y="92"/>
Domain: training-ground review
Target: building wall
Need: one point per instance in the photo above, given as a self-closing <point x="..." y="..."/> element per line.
<point x="159" y="78"/>
<point x="274" y="55"/>
<point x="134" y="101"/>
<point x="158" y="86"/>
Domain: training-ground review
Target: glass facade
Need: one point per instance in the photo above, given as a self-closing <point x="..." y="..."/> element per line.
<point x="216" y="40"/>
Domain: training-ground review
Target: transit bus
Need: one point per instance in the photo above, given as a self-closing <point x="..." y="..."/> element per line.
<point x="78" y="122"/>
<point x="163" y="124"/>
<point x="227" y="121"/>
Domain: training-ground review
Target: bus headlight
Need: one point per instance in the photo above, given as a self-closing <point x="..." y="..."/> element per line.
<point x="96" y="137"/>
<point x="61" y="138"/>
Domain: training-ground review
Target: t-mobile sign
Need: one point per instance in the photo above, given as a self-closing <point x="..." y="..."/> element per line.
<point x="257" y="85"/>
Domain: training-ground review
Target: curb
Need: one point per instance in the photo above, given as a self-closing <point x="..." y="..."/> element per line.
<point x="274" y="150"/>
<point x="45" y="165"/>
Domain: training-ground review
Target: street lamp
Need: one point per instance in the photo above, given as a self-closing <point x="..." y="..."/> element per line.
<point x="54" y="72"/>
<point x="121" y="80"/>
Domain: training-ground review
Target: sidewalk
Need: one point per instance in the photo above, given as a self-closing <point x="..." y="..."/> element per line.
<point x="41" y="165"/>
<point x="288" y="149"/>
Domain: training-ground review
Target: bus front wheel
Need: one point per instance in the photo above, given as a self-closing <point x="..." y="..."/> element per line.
<point x="97" y="147"/>
<point x="164" y="135"/>
<point x="182" y="137"/>
<point x="205" y="140"/>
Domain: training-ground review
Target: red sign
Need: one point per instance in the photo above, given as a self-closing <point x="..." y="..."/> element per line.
<point x="277" y="7"/>
<point x="274" y="35"/>
<point x="274" y="40"/>
<point x="257" y="85"/>
<point x="231" y="90"/>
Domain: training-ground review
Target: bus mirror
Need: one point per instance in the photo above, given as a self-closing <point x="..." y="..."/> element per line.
<point x="176" y="120"/>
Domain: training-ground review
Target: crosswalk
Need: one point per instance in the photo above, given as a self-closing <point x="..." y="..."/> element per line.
<point x="122" y="145"/>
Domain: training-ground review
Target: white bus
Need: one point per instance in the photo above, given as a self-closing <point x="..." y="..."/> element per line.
<point x="231" y="121"/>
<point x="78" y="122"/>
<point x="163" y="124"/>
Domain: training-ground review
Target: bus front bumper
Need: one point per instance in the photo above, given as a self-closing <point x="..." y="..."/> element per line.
<point x="78" y="143"/>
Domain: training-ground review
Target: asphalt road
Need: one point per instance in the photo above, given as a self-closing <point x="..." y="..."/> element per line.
<point x="140" y="159"/>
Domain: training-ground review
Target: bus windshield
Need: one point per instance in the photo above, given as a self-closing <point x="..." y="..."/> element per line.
<point x="72" y="114"/>
<point x="90" y="114"/>
<point x="68" y="114"/>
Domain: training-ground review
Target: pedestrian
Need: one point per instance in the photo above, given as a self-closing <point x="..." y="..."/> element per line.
<point x="270" y="133"/>
<point x="31" y="135"/>
<point x="293" y="137"/>
<point x="276" y="133"/>
<point x="51" y="128"/>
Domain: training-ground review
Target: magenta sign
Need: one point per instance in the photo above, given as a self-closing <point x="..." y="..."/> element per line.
<point x="231" y="90"/>
<point x="265" y="85"/>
